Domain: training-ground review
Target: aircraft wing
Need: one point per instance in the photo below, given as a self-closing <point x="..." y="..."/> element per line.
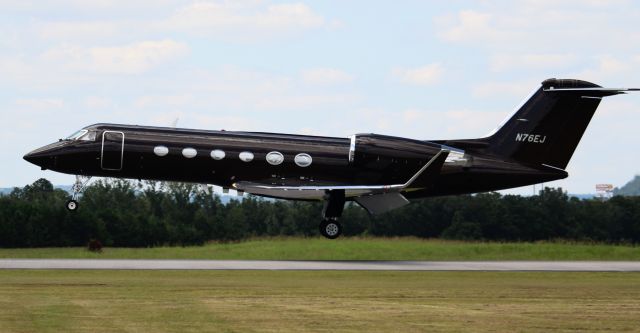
<point x="375" y="198"/>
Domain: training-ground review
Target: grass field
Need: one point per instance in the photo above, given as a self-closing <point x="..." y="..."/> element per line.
<point x="351" y="249"/>
<point x="325" y="301"/>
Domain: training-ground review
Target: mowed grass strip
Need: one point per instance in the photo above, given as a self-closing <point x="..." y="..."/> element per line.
<point x="351" y="249"/>
<point x="322" y="301"/>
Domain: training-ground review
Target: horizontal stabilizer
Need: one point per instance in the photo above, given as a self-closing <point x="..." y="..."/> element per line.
<point x="592" y="89"/>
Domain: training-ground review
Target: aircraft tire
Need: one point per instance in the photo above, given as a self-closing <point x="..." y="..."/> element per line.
<point x="72" y="205"/>
<point x="330" y="228"/>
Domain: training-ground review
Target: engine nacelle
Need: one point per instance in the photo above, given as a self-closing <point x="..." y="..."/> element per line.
<point x="378" y="150"/>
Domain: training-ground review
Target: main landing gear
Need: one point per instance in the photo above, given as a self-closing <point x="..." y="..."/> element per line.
<point x="333" y="207"/>
<point x="77" y="188"/>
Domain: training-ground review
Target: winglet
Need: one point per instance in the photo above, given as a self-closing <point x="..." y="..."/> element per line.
<point x="431" y="169"/>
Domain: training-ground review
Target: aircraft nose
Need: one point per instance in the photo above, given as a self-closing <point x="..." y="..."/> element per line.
<point x="43" y="157"/>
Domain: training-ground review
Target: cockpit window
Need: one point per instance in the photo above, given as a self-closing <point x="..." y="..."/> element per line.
<point x="76" y="135"/>
<point x="88" y="136"/>
<point x="82" y="135"/>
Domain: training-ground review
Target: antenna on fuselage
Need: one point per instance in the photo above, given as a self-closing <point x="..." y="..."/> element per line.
<point x="174" y="124"/>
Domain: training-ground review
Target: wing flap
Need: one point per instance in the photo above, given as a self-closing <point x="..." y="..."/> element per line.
<point x="380" y="203"/>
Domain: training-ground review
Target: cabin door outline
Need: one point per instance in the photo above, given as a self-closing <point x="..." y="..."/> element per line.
<point x="112" y="153"/>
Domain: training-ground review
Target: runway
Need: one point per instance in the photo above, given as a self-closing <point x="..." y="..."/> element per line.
<point x="110" y="264"/>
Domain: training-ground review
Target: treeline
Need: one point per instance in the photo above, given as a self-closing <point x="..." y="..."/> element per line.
<point x="131" y="214"/>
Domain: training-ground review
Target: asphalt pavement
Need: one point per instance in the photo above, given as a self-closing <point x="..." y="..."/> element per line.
<point x="142" y="264"/>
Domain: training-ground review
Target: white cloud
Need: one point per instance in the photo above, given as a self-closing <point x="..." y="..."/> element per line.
<point x="309" y="131"/>
<point x="491" y="89"/>
<point x="421" y="124"/>
<point x="425" y="75"/>
<point x="571" y="4"/>
<point x="235" y="21"/>
<point x="411" y="115"/>
<point x="14" y="67"/>
<point x="467" y="123"/>
<point x="244" y="89"/>
<point x="607" y="67"/>
<point x="71" y="31"/>
<point x="451" y="124"/>
<point x="543" y="26"/>
<point x="231" y="97"/>
<point x="524" y="62"/>
<point x="229" y="123"/>
<point x="97" y="102"/>
<point x="325" y="76"/>
<point x="159" y="101"/>
<point x="27" y="114"/>
<point x="303" y="102"/>
<point x="241" y="19"/>
<point x="470" y="25"/>
<point x="40" y="103"/>
<point x="89" y="9"/>
<point x="128" y="59"/>
<point x="205" y="121"/>
<point x="611" y="65"/>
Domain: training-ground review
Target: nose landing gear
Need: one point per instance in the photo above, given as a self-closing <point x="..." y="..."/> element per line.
<point x="333" y="207"/>
<point x="77" y="188"/>
<point x="72" y="205"/>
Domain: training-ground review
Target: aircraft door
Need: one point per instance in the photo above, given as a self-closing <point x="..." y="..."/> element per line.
<point x="112" y="150"/>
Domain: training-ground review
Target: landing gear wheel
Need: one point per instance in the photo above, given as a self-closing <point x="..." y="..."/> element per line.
<point x="330" y="229"/>
<point x="72" y="205"/>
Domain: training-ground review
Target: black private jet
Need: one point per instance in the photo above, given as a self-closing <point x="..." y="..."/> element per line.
<point x="378" y="172"/>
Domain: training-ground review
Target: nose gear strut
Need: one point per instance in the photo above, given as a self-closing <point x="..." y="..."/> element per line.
<point x="77" y="188"/>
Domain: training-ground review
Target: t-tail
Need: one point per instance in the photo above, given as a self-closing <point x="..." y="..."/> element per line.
<point x="547" y="128"/>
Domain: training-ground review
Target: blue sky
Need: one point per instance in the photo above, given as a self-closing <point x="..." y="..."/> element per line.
<point x="425" y="70"/>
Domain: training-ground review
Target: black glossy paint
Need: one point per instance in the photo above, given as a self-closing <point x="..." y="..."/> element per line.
<point x="493" y="163"/>
<point x="379" y="160"/>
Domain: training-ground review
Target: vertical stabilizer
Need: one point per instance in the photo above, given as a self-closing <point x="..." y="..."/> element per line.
<point x="546" y="129"/>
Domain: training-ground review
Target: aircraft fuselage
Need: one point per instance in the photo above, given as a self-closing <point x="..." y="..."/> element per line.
<point x="224" y="158"/>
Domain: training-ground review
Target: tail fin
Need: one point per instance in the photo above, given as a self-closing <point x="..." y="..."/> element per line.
<point x="546" y="129"/>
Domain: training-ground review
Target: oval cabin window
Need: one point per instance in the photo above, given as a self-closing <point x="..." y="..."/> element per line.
<point x="303" y="160"/>
<point x="246" y="156"/>
<point x="217" y="154"/>
<point x="161" y="151"/>
<point x="189" y="153"/>
<point x="275" y="158"/>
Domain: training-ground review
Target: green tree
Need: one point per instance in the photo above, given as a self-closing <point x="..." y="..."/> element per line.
<point x="462" y="229"/>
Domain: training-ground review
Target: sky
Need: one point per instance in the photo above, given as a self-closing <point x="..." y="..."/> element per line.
<point x="418" y="69"/>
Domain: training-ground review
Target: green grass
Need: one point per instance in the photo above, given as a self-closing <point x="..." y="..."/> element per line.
<point x="351" y="249"/>
<point x="320" y="301"/>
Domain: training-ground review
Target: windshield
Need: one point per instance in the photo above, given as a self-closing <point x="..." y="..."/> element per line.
<point x="76" y="135"/>
<point x="82" y="135"/>
<point x="88" y="136"/>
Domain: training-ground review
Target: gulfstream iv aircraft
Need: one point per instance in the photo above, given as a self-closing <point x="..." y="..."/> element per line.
<point x="378" y="172"/>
